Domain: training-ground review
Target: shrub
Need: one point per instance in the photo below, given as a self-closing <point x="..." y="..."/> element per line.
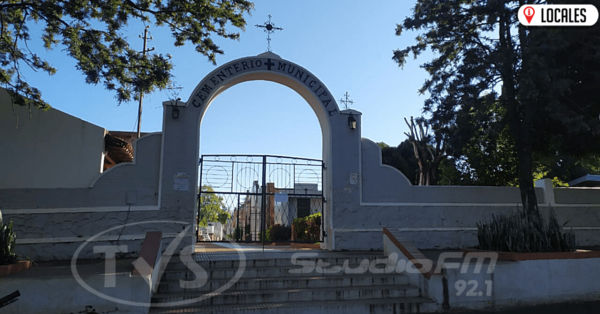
<point x="237" y="233"/>
<point x="307" y="229"/>
<point x="267" y="235"/>
<point x="247" y="231"/>
<point x="8" y="239"/>
<point x="524" y="232"/>
<point x="279" y="233"/>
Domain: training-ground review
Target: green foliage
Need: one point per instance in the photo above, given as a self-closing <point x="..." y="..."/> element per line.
<point x="237" y="233"/>
<point x="240" y="232"/>
<point x="556" y="182"/>
<point x="307" y="229"/>
<point x="523" y="231"/>
<point x="481" y="149"/>
<point x="402" y="158"/>
<point x="507" y="97"/>
<point x="279" y="233"/>
<point x="211" y="208"/>
<point x="8" y="240"/>
<point x="266" y="236"/>
<point x="91" y="33"/>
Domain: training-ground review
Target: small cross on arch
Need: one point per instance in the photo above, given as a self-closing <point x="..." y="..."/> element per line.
<point x="346" y="101"/>
<point x="270" y="28"/>
<point x="269" y="64"/>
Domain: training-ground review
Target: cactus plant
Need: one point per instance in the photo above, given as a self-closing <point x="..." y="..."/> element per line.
<point x="521" y="231"/>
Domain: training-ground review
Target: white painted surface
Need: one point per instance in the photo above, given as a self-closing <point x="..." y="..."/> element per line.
<point x="55" y="290"/>
<point x="438" y="217"/>
<point x="79" y="210"/>
<point x="510" y="284"/>
<point x="49" y="149"/>
<point x="528" y="283"/>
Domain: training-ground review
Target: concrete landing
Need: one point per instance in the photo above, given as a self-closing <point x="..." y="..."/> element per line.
<point x="52" y="287"/>
<point x="211" y="247"/>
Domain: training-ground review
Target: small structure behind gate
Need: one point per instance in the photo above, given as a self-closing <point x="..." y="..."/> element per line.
<point x="263" y="194"/>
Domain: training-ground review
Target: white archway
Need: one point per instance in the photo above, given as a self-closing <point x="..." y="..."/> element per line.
<point x="181" y="136"/>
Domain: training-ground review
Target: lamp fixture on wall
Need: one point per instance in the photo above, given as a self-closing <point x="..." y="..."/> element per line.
<point x="175" y="112"/>
<point x="351" y="122"/>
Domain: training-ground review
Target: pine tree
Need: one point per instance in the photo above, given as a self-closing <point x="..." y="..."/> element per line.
<point x="91" y="33"/>
<point x="484" y="56"/>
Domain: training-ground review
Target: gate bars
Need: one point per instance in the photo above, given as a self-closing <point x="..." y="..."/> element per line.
<point x="263" y="194"/>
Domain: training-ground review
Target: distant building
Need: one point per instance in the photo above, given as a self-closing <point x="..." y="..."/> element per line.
<point x="282" y="207"/>
<point x="215" y="231"/>
<point x="302" y="201"/>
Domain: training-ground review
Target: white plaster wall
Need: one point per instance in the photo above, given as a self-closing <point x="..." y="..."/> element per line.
<point x="441" y="217"/>
<point x="524" y="283"/>
<point x="55" y="290"/>
<point x="510" y="284"/>
<point x="386" y="184"/>
<point x="590" y="196"/>
<point x="50" y="149"/>
<point x="52" y="223"/>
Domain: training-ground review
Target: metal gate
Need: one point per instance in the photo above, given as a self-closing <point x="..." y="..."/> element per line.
<point x="260" y="198"/>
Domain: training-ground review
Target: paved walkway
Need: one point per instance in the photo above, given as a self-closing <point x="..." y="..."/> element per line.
<point x="226" y="251"/>
<point x="232" y="247"/>
<point x="561" y="308"/>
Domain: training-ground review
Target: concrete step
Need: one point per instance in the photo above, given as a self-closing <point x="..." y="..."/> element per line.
<point x="291" y="295"/>
<point x="331" y="282"/>
<point x="282" y="271"/>
<point x="371" y="306"/>
<point x="167" y="286"/>
<point x="176" y="264"/>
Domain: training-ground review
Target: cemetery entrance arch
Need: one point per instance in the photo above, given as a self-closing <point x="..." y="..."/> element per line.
<point x="341" y="139"/>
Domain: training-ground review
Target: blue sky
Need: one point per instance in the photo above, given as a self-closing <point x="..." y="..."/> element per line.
<point x="348" y="45"/>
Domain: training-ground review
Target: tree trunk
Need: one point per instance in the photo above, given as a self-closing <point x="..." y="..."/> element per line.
<point x="518" y="112"/>
<point x="427" y="159"/>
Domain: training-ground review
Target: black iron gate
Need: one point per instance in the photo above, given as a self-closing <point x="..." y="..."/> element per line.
<point x="260" y="198"/>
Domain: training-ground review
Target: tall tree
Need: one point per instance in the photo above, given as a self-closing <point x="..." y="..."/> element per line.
<point x="402" y="158"/>
<point x="429" y="150"/>
<point x="91" y="33"/>
<point x="484" y="56"/>
<point x="481" y="147"/>
<point x="212" y="208"/>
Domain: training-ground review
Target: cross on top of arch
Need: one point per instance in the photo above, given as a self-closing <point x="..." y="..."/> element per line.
<point x="270" y="28"/>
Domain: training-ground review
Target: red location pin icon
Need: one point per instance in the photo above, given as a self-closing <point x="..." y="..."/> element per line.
<point x="529" y="12"/>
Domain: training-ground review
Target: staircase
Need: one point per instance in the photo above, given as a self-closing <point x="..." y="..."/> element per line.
<point x="271" y="283"/>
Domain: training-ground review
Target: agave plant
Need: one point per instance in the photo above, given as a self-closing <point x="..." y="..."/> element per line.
<point x="524" y="232"/>
<point x="8" y="239"/>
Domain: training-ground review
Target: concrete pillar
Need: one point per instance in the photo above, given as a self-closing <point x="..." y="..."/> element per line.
<point x="179" y="165"/>
<point x="345" y="170"/>
<point x="548" y="187"/>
